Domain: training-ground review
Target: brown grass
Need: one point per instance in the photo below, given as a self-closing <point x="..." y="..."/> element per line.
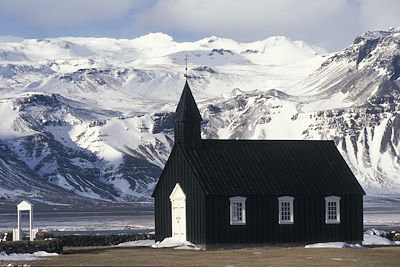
<point x="261" y="256"/>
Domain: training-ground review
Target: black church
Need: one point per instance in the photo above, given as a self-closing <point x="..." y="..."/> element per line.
<point x="253" y="191"/>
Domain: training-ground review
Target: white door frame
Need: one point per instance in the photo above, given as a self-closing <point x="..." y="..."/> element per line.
<point x="178" y="213"/>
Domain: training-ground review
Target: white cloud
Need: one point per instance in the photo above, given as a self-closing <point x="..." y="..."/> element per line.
<point x="53" y="14"/>
<point x="241" y="19"/>
<point x="380" y="14"/>
<point x="331" y="24"/>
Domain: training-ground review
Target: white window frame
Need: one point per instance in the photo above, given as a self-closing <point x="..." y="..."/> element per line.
<point x="336" y="200"/>
<point x="286" y="199"/>
<point x="242" y="201"/>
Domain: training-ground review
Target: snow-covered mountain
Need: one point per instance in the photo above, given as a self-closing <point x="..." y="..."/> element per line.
<point x="92" y="118"/>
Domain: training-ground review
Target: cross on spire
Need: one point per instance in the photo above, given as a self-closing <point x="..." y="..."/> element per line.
<point x="186" y="61"/>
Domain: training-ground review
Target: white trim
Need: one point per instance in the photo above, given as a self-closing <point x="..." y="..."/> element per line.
<point x="24" y="205"/>
<point x="178" y="213"/>
<point x="242" y="202"/>
<point x="286" y="199"/>
<point x="177" y="193"/>
<point x="336" y="200"/>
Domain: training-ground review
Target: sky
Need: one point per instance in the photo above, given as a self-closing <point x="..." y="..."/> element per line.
<point x="330" y="24"/>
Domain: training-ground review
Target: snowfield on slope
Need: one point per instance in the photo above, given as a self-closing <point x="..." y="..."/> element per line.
<point x="92" y="118"/>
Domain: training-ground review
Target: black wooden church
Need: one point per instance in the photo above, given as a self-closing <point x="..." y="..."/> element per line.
<point x="250" y="191"/>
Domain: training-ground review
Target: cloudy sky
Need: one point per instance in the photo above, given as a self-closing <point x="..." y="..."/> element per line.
<point x="331" y="24"/>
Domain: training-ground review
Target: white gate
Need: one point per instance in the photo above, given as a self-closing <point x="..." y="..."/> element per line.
<point x="178" y="213"/>
<point x="23" y="206"/>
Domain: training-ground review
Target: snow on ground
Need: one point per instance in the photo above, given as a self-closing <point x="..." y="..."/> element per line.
<point x="376" y="240"/>
<point x="371" y="237"/>
<point x="25" y="256"/>
<point x="170" y="242"/>
<point x="137" y="243"/>
<point x="333" y="245"/>
<point x="376" y="232"/>
<point x="166" y="243"/>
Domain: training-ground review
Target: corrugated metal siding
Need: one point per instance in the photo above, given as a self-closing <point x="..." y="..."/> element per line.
<point x="262" y="221"/>
<point x="272" y="167"/>
<point x="178" y="171"/>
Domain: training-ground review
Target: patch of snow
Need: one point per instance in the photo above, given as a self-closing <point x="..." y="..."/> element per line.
<point x="376" y="232"/>
<point x="170" y="242"/>
<point x="376" y="240"/>
<point x="188" y="247"/>
<point x="333" y="245"/>
<point x="9" y="127"/>
<point x="137" y="243"/>
<point x="25" y="256"/>
<point x="372" y="35"/>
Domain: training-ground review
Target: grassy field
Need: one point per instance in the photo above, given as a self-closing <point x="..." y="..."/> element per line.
<point x="278" y="256"/>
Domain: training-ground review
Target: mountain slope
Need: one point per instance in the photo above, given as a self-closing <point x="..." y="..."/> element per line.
<point x="150" y="67"/>
<point x="93" y="117"/>
<point x="368" y="68"/>
<point x="83" y="151"/>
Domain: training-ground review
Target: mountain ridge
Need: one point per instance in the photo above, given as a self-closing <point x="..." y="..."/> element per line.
<point x="96" y="122"/>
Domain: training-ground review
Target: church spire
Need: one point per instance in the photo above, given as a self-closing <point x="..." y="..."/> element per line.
<point x="187" y="109"/>
<point x="186" y="61"/>
<point x="187" y="121"/>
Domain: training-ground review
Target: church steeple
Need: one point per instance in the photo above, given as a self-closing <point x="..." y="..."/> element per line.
<point x="187" y="121"/>
<point x="187" y="109"/>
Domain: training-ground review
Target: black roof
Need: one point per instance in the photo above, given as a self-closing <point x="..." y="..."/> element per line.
<point x="271" y="167"/>
<point x="187" y="109"/>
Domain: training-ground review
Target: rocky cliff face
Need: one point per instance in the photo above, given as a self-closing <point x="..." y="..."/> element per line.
<point x="362" y="84"/>
<point x="76" y="150"/>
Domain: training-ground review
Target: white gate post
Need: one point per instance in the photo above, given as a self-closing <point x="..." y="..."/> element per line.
<point x="30" y="224"/>
<point x="18" y="233"/>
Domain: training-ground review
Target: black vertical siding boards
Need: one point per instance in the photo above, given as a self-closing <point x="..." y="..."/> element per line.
<point x="262" y="224"/>
<point x="178" y="171"/>
<point x="208" y="217"/>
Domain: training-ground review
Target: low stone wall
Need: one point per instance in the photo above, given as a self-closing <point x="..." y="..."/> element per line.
<point x="54" y="245"/>
<point x="102" y="240"/>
